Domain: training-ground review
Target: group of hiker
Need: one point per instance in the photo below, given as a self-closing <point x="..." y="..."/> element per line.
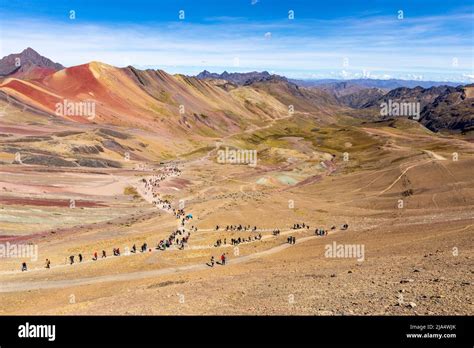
<point x="238" y="228"/>
<point x="222" y="263"/>
<point x="181" y="242"/>
<point x="151" y="184"/>
<point x="300" y="226"/>
<point x="343" y="227"/>
<point x="162" y="245"/>
<point x="154" y="181"/>
<point x="237" y="241"/>
<point x="173" y="237"/>
<point x="162" y="204"/>
<point x="71" y="260"/>
<point x="320" y="232"/>
<point x="180" y="214"/>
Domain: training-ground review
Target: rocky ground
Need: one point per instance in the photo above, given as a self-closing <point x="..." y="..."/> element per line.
<point x="408" y="205"/>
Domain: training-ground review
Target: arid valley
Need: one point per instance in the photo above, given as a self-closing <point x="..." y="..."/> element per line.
<point x="147" y="164"/>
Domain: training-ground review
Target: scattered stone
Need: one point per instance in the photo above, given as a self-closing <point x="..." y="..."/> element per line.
<point x="406" y="280"/>
<point x="437" y="296"/>
<point x="333" y="275"/>
<point x="411" y="305"/>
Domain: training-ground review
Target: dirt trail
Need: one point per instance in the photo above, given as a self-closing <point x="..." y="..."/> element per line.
<point x="402" y="174"/>
<point x="172" y="248"/>
<point x="53" y="284"/>
<point x="433" y="156"/>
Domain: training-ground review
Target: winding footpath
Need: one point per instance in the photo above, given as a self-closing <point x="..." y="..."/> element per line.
<point x="55" y="284"/>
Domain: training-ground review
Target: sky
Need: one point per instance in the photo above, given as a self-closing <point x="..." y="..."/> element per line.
<point x="305" y="39"/>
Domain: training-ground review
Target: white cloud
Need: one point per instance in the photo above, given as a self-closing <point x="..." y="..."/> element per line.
<point x="381" y="45"/>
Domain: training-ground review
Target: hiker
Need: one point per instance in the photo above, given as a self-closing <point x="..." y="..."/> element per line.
<point x="212" y="261"/>
<point x="95" y="256"/>
<point x="293" y="240"/>
<point x="223" y="259"/>
<point x="104" y="254"/>
<point x="134" y="248"/>
<point x="80" y="257"/>
<point x="48" y="264"/>
<point x="23" y="267"/>
<point x="345" y="226"/>
<point x="71" y="259"/>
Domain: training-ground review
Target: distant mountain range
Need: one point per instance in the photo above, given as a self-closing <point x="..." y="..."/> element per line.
<point x="27" y="64"/>
<point x="441" y="107"/>
<point x="241" y="79"/>
<point x="375" y="83"/>
<point x="451" y="109"/>
<point x="352" y="95"/>
<point x="211" y="103"/>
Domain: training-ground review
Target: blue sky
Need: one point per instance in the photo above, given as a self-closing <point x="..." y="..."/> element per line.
<point x="326" y="39"/>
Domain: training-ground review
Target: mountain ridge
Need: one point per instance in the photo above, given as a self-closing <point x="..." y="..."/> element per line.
<point x="210" y="103"/>
<point x="28" y="64"/>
